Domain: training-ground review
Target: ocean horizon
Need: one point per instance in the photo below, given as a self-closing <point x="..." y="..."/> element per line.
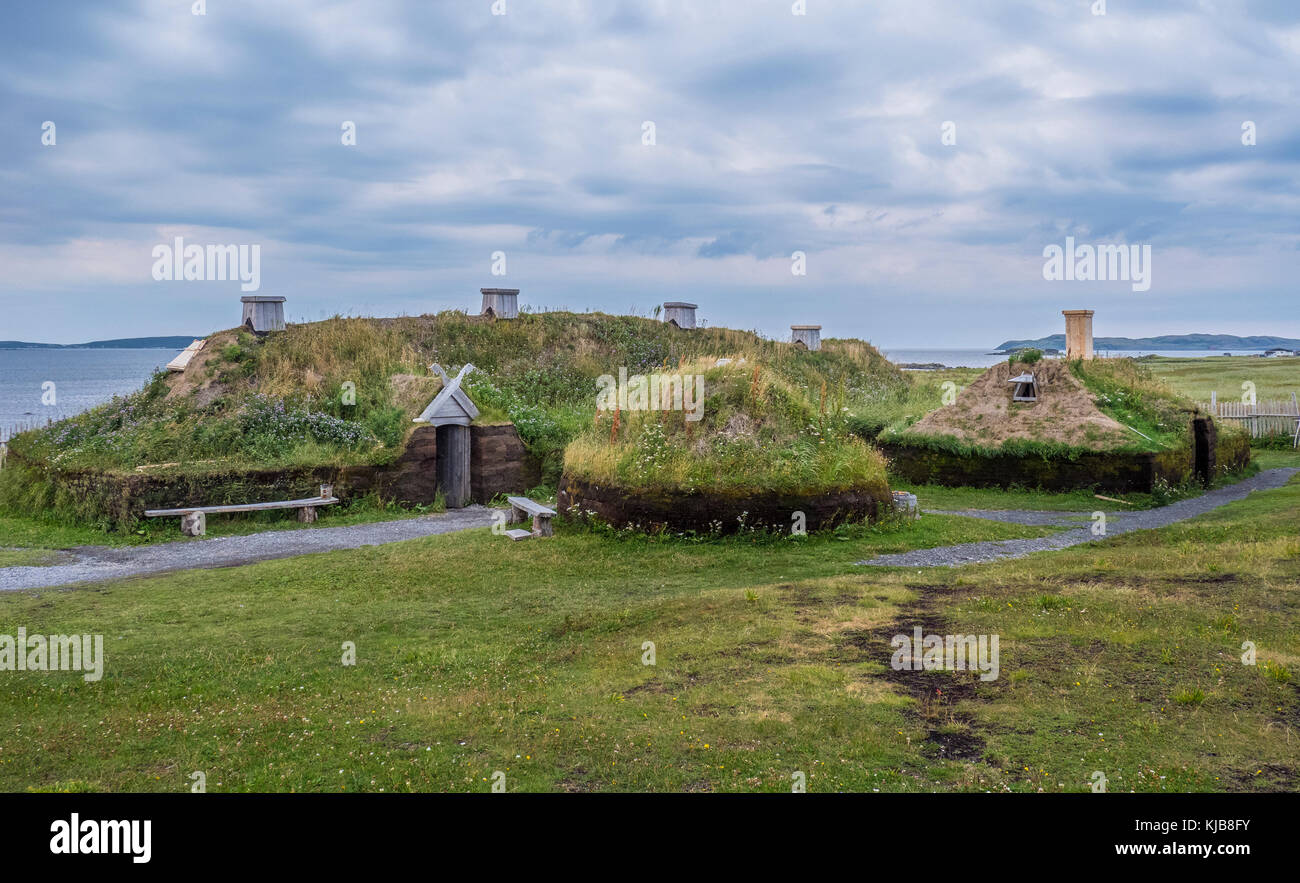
<point x="82" y="377"/>
<point x="959" y="357"/>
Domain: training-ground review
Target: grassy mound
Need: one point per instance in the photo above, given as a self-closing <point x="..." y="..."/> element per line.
<point x="343" y="391"/>
<point x="1107" y="405"/>
<point x="757" y="431"/>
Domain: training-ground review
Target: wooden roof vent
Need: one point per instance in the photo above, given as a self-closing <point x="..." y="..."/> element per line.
<point x="1026" y="388"/>
<point x="500" y="303"/>
<point x="680" y="313"/>
<point x="807" y="336"/>
<point x="263" y="313"/>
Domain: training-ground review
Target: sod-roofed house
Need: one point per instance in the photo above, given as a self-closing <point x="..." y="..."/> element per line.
<point x="1058" y="424"/>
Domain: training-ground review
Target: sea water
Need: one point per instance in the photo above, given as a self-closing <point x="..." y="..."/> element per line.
<point x="81" y="378"/>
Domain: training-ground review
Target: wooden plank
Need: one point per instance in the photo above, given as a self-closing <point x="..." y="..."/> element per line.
<point x="246" y="507"/>
<point x="529" y="506"/>
<point x="182" y="360"/>
<point x="451" y="405"/>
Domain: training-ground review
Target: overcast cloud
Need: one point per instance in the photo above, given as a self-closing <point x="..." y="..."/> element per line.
<point x="522" y="133"/>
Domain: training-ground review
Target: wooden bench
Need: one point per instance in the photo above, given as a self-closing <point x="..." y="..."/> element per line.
<point x="520" y="509"/>
<point x="194" y="518"/>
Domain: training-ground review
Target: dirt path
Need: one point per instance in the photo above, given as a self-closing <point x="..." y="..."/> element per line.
<point x="1080" y="530"/>
<point x="89" y="564"/>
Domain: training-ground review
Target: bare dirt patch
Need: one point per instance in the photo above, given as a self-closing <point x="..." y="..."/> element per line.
<point x="196" y="380"/>
<point x="952" y="733"/>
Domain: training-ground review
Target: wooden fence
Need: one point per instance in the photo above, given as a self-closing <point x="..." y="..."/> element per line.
<point x="8" y="432"/>
<point x="1279" y="417"/>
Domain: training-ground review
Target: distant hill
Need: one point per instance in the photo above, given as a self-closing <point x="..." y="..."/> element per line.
<point x="1227" y="342"/>
<point x="124" y="343"/>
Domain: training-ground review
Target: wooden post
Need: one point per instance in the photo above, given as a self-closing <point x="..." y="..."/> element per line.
<point x="195" y="524"/>
<point x="454" y="465"/>
<point x="1205" y="438"/>
<point x="307" y="514"/>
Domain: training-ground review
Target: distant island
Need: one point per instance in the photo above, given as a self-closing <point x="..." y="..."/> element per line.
<point x="1163" y="342"/>
<point x="123" y="343"/>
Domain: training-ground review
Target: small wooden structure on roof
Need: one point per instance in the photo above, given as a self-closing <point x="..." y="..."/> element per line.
<point x="680" y="313"/>
<point x="500" y="303"/>
<point x="451" y="413"/>
<point x="263" y="313"/>
<point x="1026" y="388"/>
<point x="807" y="336"/>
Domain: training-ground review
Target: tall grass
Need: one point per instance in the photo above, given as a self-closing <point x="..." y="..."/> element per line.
<point x="1130" y="393"/>
<point x="757" y="432"/>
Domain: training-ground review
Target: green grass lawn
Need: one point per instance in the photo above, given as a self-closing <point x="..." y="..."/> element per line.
<point x="507" y="648"/>
<point x="1273" y="459"/>
<point x="934" y="496"/>
<point x="476" y="655"/>
<point x="1126" y="658"/>
<point x="26" y="557"/>
<point x="1197" y="378"/>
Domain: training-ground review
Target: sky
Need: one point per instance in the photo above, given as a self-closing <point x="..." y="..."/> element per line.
<point x="920" y="155"/>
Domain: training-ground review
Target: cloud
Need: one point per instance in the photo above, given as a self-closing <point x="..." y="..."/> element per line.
<point x="523" y="133"/>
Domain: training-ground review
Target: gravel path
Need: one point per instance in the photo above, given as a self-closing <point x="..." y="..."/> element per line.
<point x="87" y="564"/>
<point x="1079" y="531"/>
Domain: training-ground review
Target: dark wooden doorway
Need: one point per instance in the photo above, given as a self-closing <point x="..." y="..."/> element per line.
<point x="1206" y="437"/>
<point x="454" y="465"/>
